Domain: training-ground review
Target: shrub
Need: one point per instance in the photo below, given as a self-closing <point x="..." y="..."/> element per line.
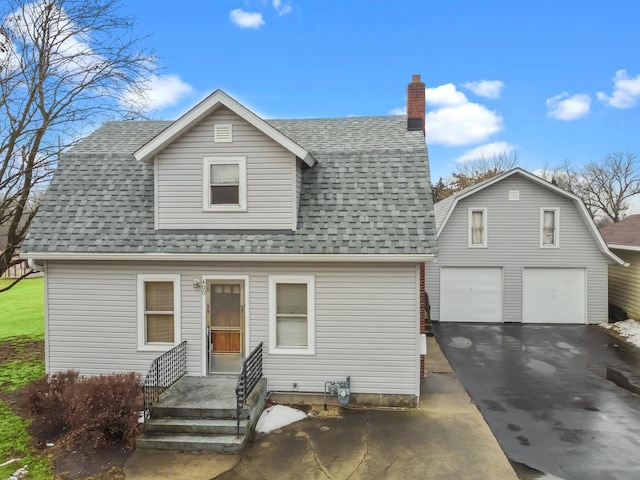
<point x="46" y="394"/>
<point x="100" y="410"/>
<point x="104" y="410"/>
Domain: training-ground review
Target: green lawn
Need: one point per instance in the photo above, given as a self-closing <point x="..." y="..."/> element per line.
<point x="22" y="309"/>
<point x="21" y="320"/>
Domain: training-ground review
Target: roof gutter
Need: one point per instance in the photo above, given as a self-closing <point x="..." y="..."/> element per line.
<point x="222" y="257"/>
<point x="630" y="248"/>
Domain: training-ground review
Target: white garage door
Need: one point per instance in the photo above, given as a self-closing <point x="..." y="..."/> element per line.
<point x="553" y="295"/>
<point x="470" y="294"/>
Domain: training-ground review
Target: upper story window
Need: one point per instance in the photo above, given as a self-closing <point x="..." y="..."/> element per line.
<point x="549" y="227"/>
<point x="225" y="184"/>
<point x="477" y="227"/>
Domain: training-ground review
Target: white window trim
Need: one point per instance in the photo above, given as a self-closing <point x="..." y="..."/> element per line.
<point x="309" y="280"/>
<point x="164" y="346"/>
<point x="206" y="184"/>
<point x="556" y="225"/>
<point x="470" y="225"/>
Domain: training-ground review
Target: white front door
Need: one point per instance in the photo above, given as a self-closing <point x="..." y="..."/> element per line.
<point x="554" y="295"/>
<point x="471" y="294"/>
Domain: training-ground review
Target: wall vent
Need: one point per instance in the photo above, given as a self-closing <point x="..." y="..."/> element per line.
<point x="514" y="195"/>
<point x="222" y="133"/>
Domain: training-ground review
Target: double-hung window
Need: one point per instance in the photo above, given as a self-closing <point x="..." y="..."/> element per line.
<point x="292" y="314"/>
<point x="158" y="311"/>
<point x="225" y="184"/>
<point x="477" y="227"/>
<point x="549" y="230"/>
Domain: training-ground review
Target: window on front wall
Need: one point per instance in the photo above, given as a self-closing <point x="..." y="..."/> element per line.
<point x="292" y="314"/>
<point x="158" y="311"/>
<point x="549" y="227"/>
<point x="477" y="227"/>
<point x="224" y="184"/>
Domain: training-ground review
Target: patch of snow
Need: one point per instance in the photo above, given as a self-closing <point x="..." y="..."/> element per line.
<point x="277" y="417"/>
<point x="9" y="462"/>
<point x="630" y="329"/>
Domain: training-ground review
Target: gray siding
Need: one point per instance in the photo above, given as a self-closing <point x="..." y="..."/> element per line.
<point x="513" y="239"/>
<point x="270" y="179"/>
<point x="624" y="283"/>
<point x="366" y="322"/>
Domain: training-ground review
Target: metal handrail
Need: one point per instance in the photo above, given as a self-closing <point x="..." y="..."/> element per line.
<point x="250" y="375"/>
<point x="164" y="371"/>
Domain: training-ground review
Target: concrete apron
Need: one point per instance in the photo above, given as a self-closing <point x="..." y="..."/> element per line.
<point x="445" y="438"/>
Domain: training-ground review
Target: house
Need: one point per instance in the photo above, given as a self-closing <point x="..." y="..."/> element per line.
<point x="516" y="248"/>
<point x="623" y="239"/>
<point x="225" y="230"/>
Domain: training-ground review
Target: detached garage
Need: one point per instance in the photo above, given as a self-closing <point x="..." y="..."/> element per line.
<point x="517" y="248"/>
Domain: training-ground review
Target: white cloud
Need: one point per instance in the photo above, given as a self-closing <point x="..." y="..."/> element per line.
<point x="626" y="91"/>
<point x="462" y="125"/>
<point x="454" y="120"/>
<point x="282" y="8"/>
<point x="568" y="107"/>
<point x="160" y="91"/>
<point x="445" y="96"/>
<point x="490" y="150"/>
<point x="485" y="88"/>
<point x="246" y="19"/>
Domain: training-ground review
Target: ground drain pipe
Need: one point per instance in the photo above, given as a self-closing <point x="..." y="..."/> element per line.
<point x="339" y="388"/>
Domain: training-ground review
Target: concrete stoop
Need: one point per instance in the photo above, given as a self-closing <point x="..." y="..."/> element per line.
<point x="198" y="417"/>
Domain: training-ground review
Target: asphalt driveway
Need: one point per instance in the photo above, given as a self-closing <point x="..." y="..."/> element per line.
<point x="551" y="396"/>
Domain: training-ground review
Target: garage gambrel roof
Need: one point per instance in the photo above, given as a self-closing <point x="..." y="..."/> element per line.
<point x="444" y="208"/>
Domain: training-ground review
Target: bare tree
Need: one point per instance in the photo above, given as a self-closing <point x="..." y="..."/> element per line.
<point x="605" y="186"/>
<point x="473" y="172"/>
<point x="65" y="66"/>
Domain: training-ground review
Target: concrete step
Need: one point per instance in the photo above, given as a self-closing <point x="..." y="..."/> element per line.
<point x="159" y="411"/>
<point x="192" y="442"/>
<point x="223" y="426"/>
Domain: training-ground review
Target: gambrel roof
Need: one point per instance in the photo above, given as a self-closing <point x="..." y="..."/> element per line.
<point x="367" y="194"/>
<point x="444" y="208"/>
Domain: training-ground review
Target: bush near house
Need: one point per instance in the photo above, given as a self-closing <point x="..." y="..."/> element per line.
<point x="99" y="411"/>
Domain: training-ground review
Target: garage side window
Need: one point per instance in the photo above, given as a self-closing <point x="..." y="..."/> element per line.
<point x="477" y="227"/>
<point x="158" y="311"/>
<point x="292" y="314"/>
<point x="549" y="227"/>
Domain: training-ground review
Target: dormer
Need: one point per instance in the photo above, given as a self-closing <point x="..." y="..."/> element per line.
<point x="221" y="167"/>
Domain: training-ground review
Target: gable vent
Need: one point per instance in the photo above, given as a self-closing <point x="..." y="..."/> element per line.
<point x="222" y="133"/>
<point x="514" y="195"/>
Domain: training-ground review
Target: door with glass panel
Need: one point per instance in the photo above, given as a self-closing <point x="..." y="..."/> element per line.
<point x="225" y="325"/>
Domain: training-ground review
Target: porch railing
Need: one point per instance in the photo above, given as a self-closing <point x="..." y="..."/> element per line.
<point x="250" y="375"/>
<point x="164" y="371"/>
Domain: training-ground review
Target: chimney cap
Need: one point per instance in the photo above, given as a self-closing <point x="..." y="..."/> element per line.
<point x="415" y="78"/>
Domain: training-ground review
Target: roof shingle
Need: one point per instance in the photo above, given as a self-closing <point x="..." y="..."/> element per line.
<point x="369" y="193"/>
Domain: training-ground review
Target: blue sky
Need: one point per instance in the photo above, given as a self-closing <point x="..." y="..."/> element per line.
<point x="554" y="80"/>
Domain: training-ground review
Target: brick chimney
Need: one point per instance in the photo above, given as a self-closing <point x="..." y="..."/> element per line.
<point x="415" y="104"/>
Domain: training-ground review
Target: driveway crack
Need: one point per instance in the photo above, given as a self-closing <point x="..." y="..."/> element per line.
<point x="316" y="459"/>
<point x="366" y="444"/>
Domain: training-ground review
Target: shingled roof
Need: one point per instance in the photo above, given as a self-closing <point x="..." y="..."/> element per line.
<point x="624" y="234"/>
<point x="368" y="193"/>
